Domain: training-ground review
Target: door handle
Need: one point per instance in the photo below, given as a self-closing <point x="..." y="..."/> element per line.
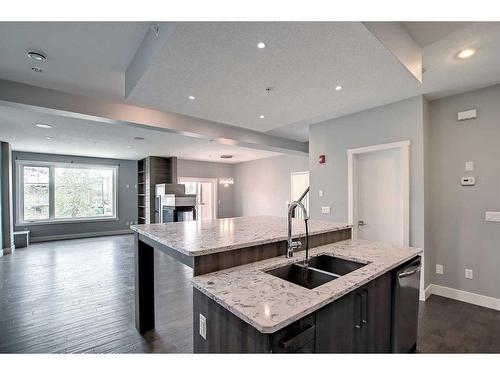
<point x="364" y="307"/>
<point x="358" y="311"/>
<point x="361" y="223"/>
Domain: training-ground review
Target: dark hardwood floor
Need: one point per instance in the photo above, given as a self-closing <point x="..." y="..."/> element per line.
<point x="77" y="296"/>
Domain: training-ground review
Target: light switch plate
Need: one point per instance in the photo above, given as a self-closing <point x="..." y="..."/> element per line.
<point x="467" y="115"/>
<point x="468" y="181"/>
<point x="469" y="166"/>
<point x="468" y="274"/>
<point x="439" y="269"/>
<point x="491" y="216"/>
<point x="320" y="193"/>
<point x="203" y="327"/>
<point x="325" y="209"/>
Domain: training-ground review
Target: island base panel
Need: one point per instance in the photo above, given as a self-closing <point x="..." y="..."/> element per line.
<point x="219" y="261"/>
<point x="144" y="286"/>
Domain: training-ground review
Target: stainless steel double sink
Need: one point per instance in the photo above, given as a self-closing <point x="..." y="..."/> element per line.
<point x="322" y="269"/>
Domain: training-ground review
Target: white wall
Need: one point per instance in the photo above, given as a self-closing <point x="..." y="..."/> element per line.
<point x="262" y="186"/>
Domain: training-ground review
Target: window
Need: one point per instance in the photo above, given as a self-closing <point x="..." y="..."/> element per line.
<point x="55" y="192"/>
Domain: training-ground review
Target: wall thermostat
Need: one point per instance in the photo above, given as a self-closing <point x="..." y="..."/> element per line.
<point x="468" y="181"/>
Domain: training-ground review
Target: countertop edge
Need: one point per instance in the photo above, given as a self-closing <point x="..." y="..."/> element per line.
<point x="232" y="247"/>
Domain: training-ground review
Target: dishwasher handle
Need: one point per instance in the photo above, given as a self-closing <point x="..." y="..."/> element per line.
<point x="408" y="272"/>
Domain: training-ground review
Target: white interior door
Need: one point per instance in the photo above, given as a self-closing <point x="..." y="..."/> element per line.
<point x="206" y="200"/>
<point x="380" y="197"/>
<point x="299" y="184"/>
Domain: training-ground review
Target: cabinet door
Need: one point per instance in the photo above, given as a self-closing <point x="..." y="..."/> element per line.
<point x="376" y="316"/>
<point x="335" y="326"/>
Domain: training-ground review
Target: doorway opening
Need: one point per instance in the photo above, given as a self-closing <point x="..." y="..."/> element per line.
<point x="379" y="195"/>
<point x="206" y="195"/>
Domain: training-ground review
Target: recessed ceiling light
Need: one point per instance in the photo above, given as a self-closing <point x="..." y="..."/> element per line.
<point x="44" y="126"/>
<point x="191" y="97"/>
<point x="227" y="156"/>
<point x="36" y="69"/>
<point x="338" y="88"/>
<point x="38" y="56"/>
<point x="261" y="116"/>
<point x="129" y="146"/>
<point x="48" y="138"/>
<point x="466" y="53"/>
<point x="261" y="45"/>
<point x="139" y="138"/>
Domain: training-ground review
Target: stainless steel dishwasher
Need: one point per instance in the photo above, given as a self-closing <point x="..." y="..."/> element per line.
<point x="405" y="299"/>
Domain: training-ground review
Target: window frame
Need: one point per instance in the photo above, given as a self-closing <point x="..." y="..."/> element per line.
<point x="20" y="164"/>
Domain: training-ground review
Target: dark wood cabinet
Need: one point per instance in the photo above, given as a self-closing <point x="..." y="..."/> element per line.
<point x="151" y="171"/>
<point x="359" y="322"/>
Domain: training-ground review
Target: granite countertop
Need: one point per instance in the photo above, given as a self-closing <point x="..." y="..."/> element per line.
<point x="194" y="238"/>
<point x="269" y="303"/>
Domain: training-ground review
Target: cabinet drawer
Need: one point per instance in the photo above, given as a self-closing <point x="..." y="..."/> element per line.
<point x="299" y="337"/>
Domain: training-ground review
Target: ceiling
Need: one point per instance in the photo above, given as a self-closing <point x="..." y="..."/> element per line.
<point x="70" y="136"/>
<point x="426" y="33"/>
<point x="87" y="58"/>
<point x="220" y="64"/>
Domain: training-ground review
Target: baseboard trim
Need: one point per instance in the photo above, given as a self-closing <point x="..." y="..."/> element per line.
<point x="74" y="236"/>
<point x="427" y="292"/>
<point x="461" y="295"/>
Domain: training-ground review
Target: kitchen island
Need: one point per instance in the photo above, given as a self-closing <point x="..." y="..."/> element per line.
<point x="209" y="246"/>
<point x="249" y="309"/>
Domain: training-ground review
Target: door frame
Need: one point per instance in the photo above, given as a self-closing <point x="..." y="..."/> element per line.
<point x="214" y="181"/>
<point x="404" y="147"/>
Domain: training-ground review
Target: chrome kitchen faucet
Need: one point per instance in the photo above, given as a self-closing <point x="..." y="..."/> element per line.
<point x="291" y="245"/>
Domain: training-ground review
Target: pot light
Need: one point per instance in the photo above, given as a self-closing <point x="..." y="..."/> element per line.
<point x="36" y="69"/>
<point x="338" y="87"/>
<point x="261" y="116"/>
<point x="261" y="45"/>
<point x="191" y="97"/>
<point x="466" y="53"/>
<point x="38" y="56"/>
<point x="129" y="146"/>
<point x="44" y="126"/>
<point x="227" y="156"/>
<point x="48" y="138"/>
<point x="139" y="138"/>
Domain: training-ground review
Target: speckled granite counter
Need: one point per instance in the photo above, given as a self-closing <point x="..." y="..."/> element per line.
<point x="269" y="303"/>
<point x="195" y="238"/>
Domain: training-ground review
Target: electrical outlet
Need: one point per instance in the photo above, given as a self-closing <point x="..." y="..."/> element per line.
<point x="468" y="274"/>
<point x="439" y="269"/>
<point x="203" y="327"/>
<point x="325" y="210"/>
